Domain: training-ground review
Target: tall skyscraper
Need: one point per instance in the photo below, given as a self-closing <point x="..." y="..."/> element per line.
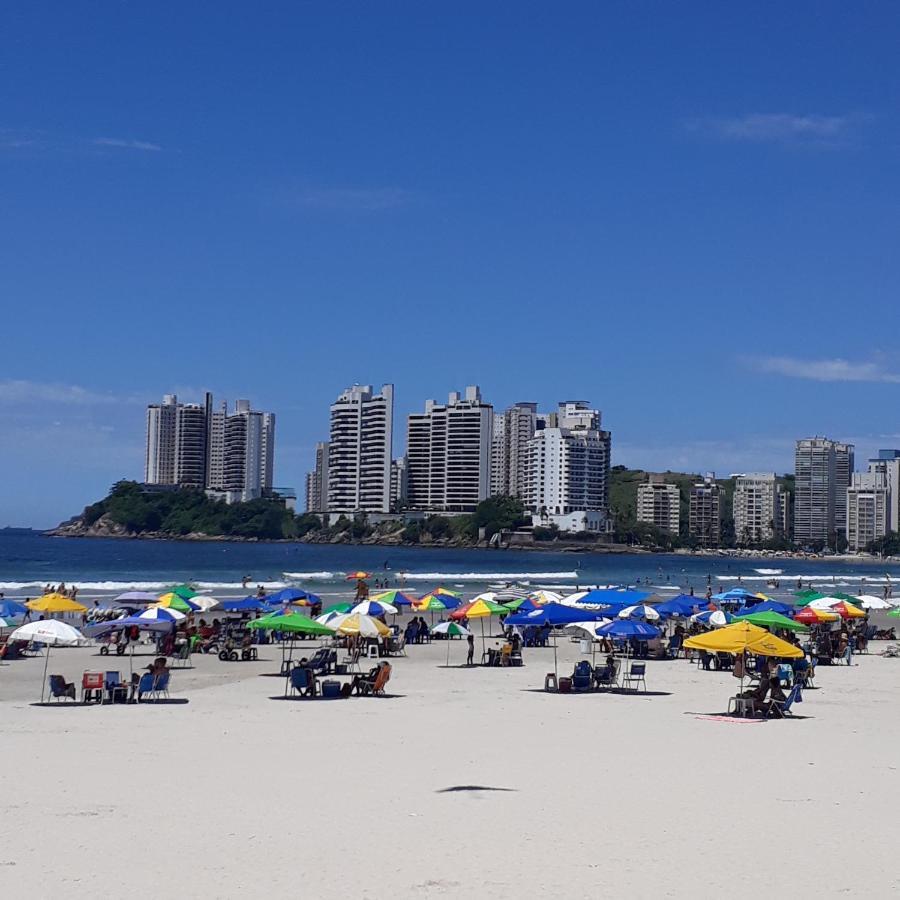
<point x="317" y="481"/>
<point x="359" y="455"/>
<point x="704" y="518"/>
<point x="191" y="444"/>
<point x="513" y="429"/>
<point x="822" y="471"/>
<point x="566" y="472"/>
<point x="449" y="453"/>
<point x="159" y="461"/>
<point x="887" y="463"/>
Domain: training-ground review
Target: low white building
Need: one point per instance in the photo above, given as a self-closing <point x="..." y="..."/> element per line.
<point x="868" y="509"/>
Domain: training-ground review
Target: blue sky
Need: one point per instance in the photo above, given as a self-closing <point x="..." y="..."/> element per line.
<point x="687" y="215"/>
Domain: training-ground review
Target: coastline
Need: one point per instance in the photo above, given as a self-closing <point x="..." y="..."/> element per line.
<point x="575" y="547"/>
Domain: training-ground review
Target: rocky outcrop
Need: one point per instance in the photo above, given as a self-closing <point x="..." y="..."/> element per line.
<point x="103" y="527"/>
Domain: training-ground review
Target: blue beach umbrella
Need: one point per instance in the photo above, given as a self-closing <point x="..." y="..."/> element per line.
<point x="607" y="597"/>
<point x="683" y="605"/>
<point x="291" y="595"/>
<point x="9" y="609"/>
<point x="248" y="604"/>
<point x="555" y="614"/>
<point x="784" y="609"/>
<point x="623" y="629"/>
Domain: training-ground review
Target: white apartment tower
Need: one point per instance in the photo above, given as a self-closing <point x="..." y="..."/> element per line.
<point x="359" y="453"/>
<point x="449" y="453"/>
<point x="241" y="452"/>
<point x="567" y="472"/>
<point x="704" y="520"/>
<point x="159" y="462"/>
<point x="513" y="429"/>
<point x="317" y="481"/>
<point x="757" y="508"/>
<point x="868" y="501"/>
<point x="659" y="504"/>
<point x="822" y="470"/>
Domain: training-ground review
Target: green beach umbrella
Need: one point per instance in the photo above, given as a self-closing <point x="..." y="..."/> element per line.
<point x="295" y="623"/>
<point x="450" y="629"/>
<point x="810" y="596"/>
<point x="772" y="620"/>
<point x="338" y="608"/>
<point x="847" y="598"/>
<point x="807" y="594"/>
<point x="184" y="591"/>
<point x="894" y="613"/>
<point x="176" y="601"/>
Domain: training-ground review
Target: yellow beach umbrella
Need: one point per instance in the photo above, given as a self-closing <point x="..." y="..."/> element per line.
<point x="55" y="603"/>
<point x="741" y="636"/>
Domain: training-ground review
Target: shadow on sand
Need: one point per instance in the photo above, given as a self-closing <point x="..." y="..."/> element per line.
<point x="53" y="704"/>
<point x="298" y="699"/>
<point x="621" y="691"/>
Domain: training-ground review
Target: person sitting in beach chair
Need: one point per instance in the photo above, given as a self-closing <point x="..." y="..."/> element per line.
<point x="756" y="697"/>
<point x="359" y="681"/>
<point x="582" y="676"/>
<point x="375" y="687"/>
<point x="157" y="674"/>
<point x="303" y="680"/>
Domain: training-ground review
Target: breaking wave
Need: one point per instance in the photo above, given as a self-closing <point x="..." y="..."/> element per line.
<point x="139" y="585"/>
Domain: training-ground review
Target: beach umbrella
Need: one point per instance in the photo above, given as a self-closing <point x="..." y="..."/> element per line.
<point x="10" y="609"/>
<point x="640" y="611"/>
<point x="343" y="607"/>
<point x="541" y="597"/>
<point x="133" y="597"/>
<point x="743" y="636"/>
<point x="374" y="608"/>
<point x="55" y="603"/>
<point x="715" y="618"/>
<point x="248" y="604"/>
<point x="869" y="601"/>
<point x="772" y="619"/>
<point x="480" y="608"/>
<point x="783" y="609"/>
<point x="848" y="611"/>
<point x="588" y="627"/>
<point x="451" y="629"/>
<point x="523" y="604"/>
<point x="176" y="601"/>
<point x="736" y="595"/>
<point x="357" y="576"/>
<point x="6" y="623"/>
<point x="513" y="592"/>
<point x="810" y="616"/>
<point x="824" y="603"/>
<point x="357" y="623"/>
<point x="437" y="602"/>
<point x="606" y="597"/>
<point x="849" y="598"/>
<point x="681" y="606"/>
<point x="292" y="622"/>
<point x="51" y="633"/>
<point x="205" y="602"/>
<point x="627" y="628"/>
<point x="809" y="597"/>
<point x="328" y="617"/>
<point x="160" y="614"/>
<point x="808" y="594"/>
<point x="294" y="596"/>
<point x="185" y="591"/>
<point x="395" y="598"/>
<point x="445" y="592"/>
<point x="895" y="613"/>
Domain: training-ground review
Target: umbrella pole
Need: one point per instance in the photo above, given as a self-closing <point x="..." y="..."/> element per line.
<point x="483" y="644"/>
<point x="44" y="681"/>
<point x="448" y="652"/>
<point x="555" y="667"/>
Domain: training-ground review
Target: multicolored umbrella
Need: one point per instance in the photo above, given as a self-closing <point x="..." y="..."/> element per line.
<point x="55" y="603"/>
<point x="436" y="602"/>
<point x="445" y="592"/>
<point x="176" y="601"/>
<point x="811" y="616"/>
<point x="338" y="608"/>
<point x="450" y="629"/>
<point x="357" y="623"/>
<point x="541" y="597"/>
<point x="523" y="604"/>
<point x="640" y="611"/>
<point x="848" y="611"/>
<point x="395" y="598"/>
<point x="375" y="608"/>
<point x="479" y="608"/>
<point x="160" y="614"/>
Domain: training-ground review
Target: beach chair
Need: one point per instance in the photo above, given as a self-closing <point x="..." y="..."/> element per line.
<point x="303" y="682"/>
<point x="61" y="689"/>
<point x="604" y="677"/>
<point x="182" y="654"/>
<point x="674" y="648"/>
<point x="161" y="686"/>
<point x="781" y="709"/>
<point x="375" y="687"/>
<point x="92" y="687"/>
<point x="635" y="676"/>
<point x="351" y="663"/>
<point x="116" y="690"/>
<point x="582" y="676"/>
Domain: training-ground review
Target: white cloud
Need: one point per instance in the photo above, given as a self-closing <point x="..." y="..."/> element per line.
<point x="783" y="128"/>
<point x="834" y="370"/>
<point x="13" y="391"/>
<point x="124" y="144"/>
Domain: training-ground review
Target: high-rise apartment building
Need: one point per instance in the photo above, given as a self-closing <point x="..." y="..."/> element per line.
<point x="192" y="422"/>
<point x="868" y="500"/>
<point x="659" y="504"/>
<point x="399" y="484"/>
<point x="704" y="517"/>
<point x="513" y="429"/>
<point x="822" y="470"/>
<point x="159" y="460"/>
<point x="449" y="453"/>
<point x="317" y="481"/>
<point x="566" y="479"/>
<point x="887" y="463"/>
<point x="359" y="454"/>
<point x="756" y="508"/>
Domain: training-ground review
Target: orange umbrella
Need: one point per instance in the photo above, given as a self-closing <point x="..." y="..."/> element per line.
<point x="358" y="576"/>
<point x="848" y="610"/>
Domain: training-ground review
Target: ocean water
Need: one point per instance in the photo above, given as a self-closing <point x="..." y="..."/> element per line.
<point x="105" y="567"/>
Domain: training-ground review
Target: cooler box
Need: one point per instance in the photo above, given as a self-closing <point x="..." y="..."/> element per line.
<point x="331" y="689"/>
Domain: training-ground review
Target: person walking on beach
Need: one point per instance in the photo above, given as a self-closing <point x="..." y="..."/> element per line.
<point x="470" y="656"/>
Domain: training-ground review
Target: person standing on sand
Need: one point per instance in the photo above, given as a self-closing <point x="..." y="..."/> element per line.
<point x="470" y="656"/>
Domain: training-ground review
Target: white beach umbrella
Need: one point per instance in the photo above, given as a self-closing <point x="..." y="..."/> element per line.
<point x="639" y="611"/>
<point x="205" y="603"/>
<point x="869" y="601"/>
<point x="51" y="632"/>
<point x="542" y="597"/>
<point x="574" y="599"/>
<point x="136" y="597"/>
<point x="487" y="596"/>
<point x="590" y="628"/>
<point x="824" y="603"/>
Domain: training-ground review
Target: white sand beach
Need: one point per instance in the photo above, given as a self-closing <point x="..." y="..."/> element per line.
<point x="461" y="783"/>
